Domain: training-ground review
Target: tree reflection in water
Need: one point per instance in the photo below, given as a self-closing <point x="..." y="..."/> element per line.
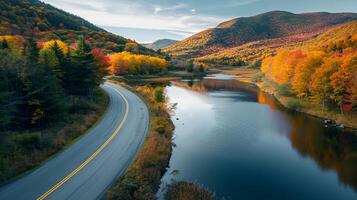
<point x="330" y="148"/>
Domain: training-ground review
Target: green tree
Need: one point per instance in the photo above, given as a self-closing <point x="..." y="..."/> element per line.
<point x="190" y="66"/>
<point x="4" y="44"/>
<point x="82" y="77"/>
<point x="45" y="97"/>
<point x="11" y="88"/>
<point x="159" y="95"/>
<point x="31" y="52"/>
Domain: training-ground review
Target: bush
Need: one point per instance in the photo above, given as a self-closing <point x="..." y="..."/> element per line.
<point x="284" y="89"/>
<point x="258" y="77"/>
<point x="28" y="141"/>
<point x="255" y="64"/>
<point x="188" y="191"/>
<point x="293" y="104"/>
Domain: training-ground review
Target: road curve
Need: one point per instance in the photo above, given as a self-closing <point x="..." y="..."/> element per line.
<point x="87" y="168"/>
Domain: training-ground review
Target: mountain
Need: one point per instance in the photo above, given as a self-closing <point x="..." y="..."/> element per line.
<point x="276" y="28"/>
<point x="160" y="44"/>
<point x="45" y="22"/>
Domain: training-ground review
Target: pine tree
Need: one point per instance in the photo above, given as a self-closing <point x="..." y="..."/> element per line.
<point x="4" y="44"/>
<point x="31" y="51"/>
<point x="59" y="68"/>
<point x="46" y="99"/>
<point x="85" y="73"/>
<point x="11" y="92"/>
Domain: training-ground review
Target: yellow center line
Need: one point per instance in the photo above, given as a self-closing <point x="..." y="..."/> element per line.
<point x="94" y="155"/>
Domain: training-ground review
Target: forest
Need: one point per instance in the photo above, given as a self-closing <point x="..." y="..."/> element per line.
<point x="325" y="74"/>
<point x="49" y="95"/>
<point x="41" y="82"/>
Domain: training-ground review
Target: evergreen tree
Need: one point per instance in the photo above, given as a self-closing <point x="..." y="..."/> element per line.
<point x="6" y="108"/>
<point x="31" y="51"/>
<point x="83" y="77"/>
<point x="46" y="99"/>
<point x="11" y="92"/>
<point x="4" y="44"/>
<point x="59" y="68"/>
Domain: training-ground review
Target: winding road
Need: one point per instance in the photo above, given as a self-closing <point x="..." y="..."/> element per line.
<point x="87" y="168"/>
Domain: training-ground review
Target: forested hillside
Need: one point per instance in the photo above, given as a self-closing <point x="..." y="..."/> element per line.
<point x="45" y="22"/>
<point x="322" y="71"/>
<point x="243" y="40"/>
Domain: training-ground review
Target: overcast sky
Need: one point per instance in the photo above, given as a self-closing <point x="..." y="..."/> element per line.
<point x="148" y="20"/>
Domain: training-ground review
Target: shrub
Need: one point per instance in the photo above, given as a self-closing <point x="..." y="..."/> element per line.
<point x="28" y="141"/>
<point x="293" y="104"/>
<point x="284" y="89"/>
<point x="258" y="77"/>
<point x="188" y="191"/>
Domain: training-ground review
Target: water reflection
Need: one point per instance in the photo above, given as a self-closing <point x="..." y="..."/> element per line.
<point x="241" y="143"/>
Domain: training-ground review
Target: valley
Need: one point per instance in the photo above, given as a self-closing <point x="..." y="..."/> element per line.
<point x="184" y="100"/>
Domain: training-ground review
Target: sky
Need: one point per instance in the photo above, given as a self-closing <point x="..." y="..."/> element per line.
<point x="148" y="20"/>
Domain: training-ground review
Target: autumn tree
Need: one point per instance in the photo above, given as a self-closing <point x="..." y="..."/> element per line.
<point x="128" y="63"/>
<point x="343" y="82"/>
<point x="131" y="47"/>
<point x="303" y="73"/>
<point x="321" y="88"/>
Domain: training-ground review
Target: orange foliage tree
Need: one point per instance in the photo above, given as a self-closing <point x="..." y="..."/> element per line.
<point x="325" y="73"/>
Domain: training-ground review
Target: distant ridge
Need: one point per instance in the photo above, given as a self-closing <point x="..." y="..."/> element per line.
<point x="275" y="26"/>
<point x="159" y="44"/>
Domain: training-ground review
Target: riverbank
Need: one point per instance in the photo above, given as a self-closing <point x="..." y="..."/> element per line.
<point x="349" y="120"/>
<point x="142" y="180"/>
<point x="24" y="151"/>
<point x="163" y="77"/>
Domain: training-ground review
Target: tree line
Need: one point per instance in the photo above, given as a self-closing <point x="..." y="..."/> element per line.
<point x="326" y="74"/>
<point x="41" y="83"/>
<point x="128" y="63"/>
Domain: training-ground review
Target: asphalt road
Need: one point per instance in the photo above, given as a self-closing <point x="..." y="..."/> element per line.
<point x="87" y="168"/>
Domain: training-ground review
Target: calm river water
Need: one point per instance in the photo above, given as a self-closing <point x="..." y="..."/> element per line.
<point x="241" y="144"/>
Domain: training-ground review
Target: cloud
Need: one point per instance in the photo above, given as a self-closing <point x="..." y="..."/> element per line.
<point x="139" y="14"/>
<point x="158" y="9"/>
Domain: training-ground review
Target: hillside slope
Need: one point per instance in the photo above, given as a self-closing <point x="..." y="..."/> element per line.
<point x="269" y="27"/>
<point x="45" y="22"/>
<point x="159" y="44"/>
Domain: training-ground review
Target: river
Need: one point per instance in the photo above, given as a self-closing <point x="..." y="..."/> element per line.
<point x="241" y="144"/>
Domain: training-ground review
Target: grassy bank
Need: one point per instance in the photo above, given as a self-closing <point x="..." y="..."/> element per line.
<point x="188" y="191"/>
<point x="23" y="151"/>
<point x="142" y="180"/>
<point x="348" y="119"/>
<point x="161" y="77"/>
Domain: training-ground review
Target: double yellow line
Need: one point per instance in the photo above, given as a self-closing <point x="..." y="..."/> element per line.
<point x="94" y="155"/>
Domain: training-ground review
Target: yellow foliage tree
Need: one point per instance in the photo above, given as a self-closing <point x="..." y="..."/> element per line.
<point x="49" y="44"/>
<point x="128" y="63"/>
<point x="303" y="73"/>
